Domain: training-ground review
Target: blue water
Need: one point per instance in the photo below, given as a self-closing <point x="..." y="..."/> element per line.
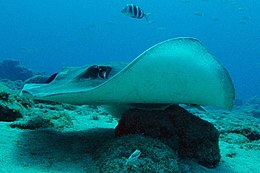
<point x="46" y="35"/>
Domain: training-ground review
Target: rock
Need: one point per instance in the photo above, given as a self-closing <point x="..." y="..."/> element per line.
<point x="9" y="109"/>
<point x="254" y="101"/>
<point x="253" y="134"/>
<point x="11" y="98"/>
<point x="8" y="114"/>
<point x="12" y="70"/>
<point x="189" y="135"/>
<point x="155" y="156"/>
<point x="33" y="115"/>
<point x="34" y="123"/>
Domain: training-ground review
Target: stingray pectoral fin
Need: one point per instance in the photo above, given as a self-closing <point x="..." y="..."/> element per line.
<point x="175" y="71"/>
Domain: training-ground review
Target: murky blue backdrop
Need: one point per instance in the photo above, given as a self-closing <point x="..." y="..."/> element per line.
<point x="46" y="35"/>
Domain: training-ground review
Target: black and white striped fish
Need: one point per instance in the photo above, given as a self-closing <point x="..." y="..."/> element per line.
<point x="134" y="11"/>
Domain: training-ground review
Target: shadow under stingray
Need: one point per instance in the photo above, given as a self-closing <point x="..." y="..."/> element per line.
<point x="48" y="148"/>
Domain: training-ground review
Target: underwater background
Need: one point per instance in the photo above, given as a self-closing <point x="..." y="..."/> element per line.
<point x="39" y="37"/>
<point x="48" y="35"/>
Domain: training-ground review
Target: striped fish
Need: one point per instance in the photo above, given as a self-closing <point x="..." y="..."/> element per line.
<point x="134" y="11"/>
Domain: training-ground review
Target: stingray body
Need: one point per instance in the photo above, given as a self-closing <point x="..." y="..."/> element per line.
<point x="176" y="71"/>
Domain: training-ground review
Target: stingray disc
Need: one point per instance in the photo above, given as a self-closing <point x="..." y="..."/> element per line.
<point x="175" y="71"/>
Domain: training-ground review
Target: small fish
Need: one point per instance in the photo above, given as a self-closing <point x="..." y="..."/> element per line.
<point x="133" y="157"/>
<point x="134" y="11"/>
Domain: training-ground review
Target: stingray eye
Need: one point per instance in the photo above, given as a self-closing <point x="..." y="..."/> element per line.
<point x="95" y="71"/>
<point x="102" y="74"/>
<point x="104" y="71"/>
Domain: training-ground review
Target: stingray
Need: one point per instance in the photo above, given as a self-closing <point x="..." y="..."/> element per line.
<point x="175" y="71"/>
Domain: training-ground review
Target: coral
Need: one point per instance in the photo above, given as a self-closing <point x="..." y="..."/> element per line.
<point x="155" y="156"/>
<point x="184" y="132"/>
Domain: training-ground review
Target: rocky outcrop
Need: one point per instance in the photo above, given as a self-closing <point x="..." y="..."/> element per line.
<point x="191" y="136"/>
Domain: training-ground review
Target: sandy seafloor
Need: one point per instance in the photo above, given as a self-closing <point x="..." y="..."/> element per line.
<point x="68" y="145"/>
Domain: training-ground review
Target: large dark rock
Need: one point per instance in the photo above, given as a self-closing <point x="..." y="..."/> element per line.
<point x="12" y="70"/>
<point x="191" y="136"/>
